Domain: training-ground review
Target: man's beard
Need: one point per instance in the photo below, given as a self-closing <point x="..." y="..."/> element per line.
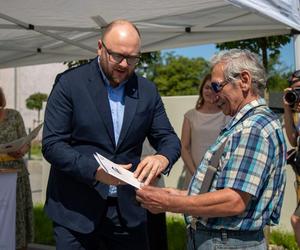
<point x="109" y="73"/>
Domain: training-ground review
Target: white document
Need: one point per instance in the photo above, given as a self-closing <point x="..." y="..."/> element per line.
<point x="117" y="171"/>
<point x="19" y="143"/>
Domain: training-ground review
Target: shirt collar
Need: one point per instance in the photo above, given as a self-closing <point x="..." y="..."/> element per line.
<point x="106" y="81"/>
<point x="250" y="106"/>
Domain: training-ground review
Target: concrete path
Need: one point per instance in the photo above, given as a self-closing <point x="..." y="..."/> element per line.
<point x="35" y="171"/>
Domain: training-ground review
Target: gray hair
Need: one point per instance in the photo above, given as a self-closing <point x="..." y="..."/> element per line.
<point x="237" y="60"/>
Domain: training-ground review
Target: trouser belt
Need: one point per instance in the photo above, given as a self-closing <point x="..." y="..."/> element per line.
<point x="224" y="234"/>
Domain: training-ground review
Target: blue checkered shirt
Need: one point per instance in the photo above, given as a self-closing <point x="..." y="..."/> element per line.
<point x="253" y="161"/>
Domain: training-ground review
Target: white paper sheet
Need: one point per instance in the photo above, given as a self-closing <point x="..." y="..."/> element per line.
<point x="19" y="143"/>
<point x="117" y="171"/>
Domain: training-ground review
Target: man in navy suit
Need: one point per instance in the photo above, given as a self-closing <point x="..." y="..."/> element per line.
<point x="104" y="107"/>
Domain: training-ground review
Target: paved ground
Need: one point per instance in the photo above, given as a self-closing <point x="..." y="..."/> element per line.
<point x="35" y="170"/>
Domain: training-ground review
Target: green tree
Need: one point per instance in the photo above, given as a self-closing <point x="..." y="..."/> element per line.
<point x="278" y="75"/>
<point x="173" y="75"/>
<point x="179" y="75"/>
<point x="35" y="102"/>
<point x="266" y="47"/>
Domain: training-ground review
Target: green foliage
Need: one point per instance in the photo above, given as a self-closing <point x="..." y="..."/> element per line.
<point x="36" y="150"/>
<point x="277" y="82"/>
<point x="179" y="75"/>
<point x="177" y="238"/>
<point x="285" y="239"/>
<point x="266" y="47"/>
<point x="35" y="102"/>
<point x="42" y="227"/>
<point x="73" y="64"/>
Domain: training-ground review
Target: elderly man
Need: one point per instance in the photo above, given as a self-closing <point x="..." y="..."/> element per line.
<point x="246" y="192"/>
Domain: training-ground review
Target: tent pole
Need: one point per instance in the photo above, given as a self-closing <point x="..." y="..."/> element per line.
<point x="297" y="50"/>
<point x="15" y="88"/>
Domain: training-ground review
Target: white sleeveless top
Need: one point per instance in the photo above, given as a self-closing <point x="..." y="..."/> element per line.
<point x="205" y="128"/>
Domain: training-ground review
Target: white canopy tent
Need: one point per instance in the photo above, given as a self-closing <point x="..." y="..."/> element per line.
<point x="35" y="31"/>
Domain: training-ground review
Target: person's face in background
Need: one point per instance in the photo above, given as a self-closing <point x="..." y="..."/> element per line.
<point x="208" y="94"/>
<point x="123" y="40"/>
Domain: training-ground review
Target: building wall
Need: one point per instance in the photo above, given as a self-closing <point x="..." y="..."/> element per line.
<point x="19" y="83"/>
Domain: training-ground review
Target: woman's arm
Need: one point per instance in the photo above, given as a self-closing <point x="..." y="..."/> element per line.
<point x="186" y="146"/>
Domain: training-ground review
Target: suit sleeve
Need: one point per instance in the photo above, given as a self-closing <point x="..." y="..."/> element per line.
<point x="162" y="135"/>
<point x="57" y="136"/>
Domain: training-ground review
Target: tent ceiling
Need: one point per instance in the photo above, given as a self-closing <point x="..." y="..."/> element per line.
<point x="35" y="31"/>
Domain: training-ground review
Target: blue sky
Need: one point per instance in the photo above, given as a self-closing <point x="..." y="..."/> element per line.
<point x="208" y="50"/>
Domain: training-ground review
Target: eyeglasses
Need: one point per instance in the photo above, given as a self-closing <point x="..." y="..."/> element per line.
<point x="296" y="74"/>
<point x="218" y="86"/>
<point x="118" y="58"/>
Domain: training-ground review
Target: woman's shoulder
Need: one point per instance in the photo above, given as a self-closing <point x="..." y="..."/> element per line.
<point x="190" y="113"/>
<point x="10" y="113"/>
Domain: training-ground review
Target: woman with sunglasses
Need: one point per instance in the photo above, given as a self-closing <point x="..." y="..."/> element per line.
<point x="201" y="126"/>
<point x="292" y="127"/>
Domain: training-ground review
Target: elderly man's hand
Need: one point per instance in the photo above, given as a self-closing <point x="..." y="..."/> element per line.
<point x="150" y="167"/>
<point x="153" y="198"/>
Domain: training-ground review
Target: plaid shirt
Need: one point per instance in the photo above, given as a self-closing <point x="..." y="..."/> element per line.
<point x="253" y="161"/>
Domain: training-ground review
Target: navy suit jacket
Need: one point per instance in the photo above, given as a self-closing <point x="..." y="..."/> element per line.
<point x="78" y="123"/>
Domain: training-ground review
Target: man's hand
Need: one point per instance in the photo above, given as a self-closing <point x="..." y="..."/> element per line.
<point x="150" y="167"/>
<point x="106" y="178"/>
<point x="153" y="198"/>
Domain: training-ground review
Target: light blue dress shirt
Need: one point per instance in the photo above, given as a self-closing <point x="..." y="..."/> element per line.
<point x="116" y="97"/>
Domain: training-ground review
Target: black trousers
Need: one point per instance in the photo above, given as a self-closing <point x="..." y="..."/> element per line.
<point x="157" y="231"/>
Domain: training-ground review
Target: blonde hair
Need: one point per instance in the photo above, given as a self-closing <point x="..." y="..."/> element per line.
<point x="2" y="99"/>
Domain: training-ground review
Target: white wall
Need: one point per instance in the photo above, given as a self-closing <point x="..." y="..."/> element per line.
<point x="176" y="107"/>
<point x="28" y="80"/>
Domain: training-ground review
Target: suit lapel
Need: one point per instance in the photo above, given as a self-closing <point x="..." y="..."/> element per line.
<point x="98" y="93"/>
<point x="131" y="101"/>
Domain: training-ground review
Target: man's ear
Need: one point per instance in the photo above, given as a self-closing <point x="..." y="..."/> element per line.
<point x="246" y="80"/>
<point x="100" y="46"/>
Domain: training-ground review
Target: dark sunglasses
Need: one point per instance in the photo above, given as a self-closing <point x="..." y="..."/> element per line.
<point x="118" y="58"/>
<point x="296" y="74"/>
<point x="218" y="86"/>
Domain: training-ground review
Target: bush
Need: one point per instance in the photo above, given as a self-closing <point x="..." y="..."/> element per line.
<point x="285" y="239"/>
<point x="36" y="149"/>
<point x="176" y="229"/>
<point x="42" y="227"/>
